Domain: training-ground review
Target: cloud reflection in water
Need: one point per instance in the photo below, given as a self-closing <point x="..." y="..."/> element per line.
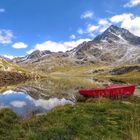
<point x="23" y="104"/>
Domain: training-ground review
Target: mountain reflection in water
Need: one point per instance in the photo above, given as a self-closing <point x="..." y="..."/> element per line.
<point x="40" y="96"/>
<point x="25" y="105"/>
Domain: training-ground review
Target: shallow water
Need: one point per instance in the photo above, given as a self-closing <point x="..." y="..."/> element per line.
<point x="36" y="97"/>
<point x="24" y="105"/>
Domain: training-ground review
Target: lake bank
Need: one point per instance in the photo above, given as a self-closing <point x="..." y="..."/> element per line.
<point x="88" y="119"/>
<point x="42" y="95"/>
<point x="11" y="78"/>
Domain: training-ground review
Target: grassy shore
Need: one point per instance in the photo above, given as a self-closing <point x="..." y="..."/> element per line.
<point x="88" y="119"/>
<point x="98" y="119"/>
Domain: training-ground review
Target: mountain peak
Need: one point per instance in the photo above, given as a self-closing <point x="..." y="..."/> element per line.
<point x="38" y="54"/>
<point x="117" y="30"/>
<point x="114" y="33"/>
<point x="109" y="34"/>
<point x="113" y="27"/>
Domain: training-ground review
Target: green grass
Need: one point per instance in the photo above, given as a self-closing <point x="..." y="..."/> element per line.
<point x="95" y="119"/>
<point x="98" y="119"/>
<point x="88" y="70"/>
<point x="131" y="77"/>
<point x="9" y="125"/>
<point x="5" y="65"/>
<point x="9" y="66"/>
<point x="78" y="70"/>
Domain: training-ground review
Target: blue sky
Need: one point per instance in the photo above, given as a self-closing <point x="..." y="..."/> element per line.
<point x="59" y="25"/>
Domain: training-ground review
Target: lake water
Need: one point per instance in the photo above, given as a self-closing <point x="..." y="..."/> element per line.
<point x="24" y="105"/>
<point x="35" y="97"/>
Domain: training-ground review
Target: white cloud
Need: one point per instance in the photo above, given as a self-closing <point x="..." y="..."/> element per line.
<point x="72" y="44"/>
<point x="2" y="10"/>
<point x="73" y="37"/>
<point x="50" y="45"/>
<point x="121" y="17"/>
<point x="8" y="56"/>
<point x="92" y="28"/>
<point x="103" y="22"/>
<point x="57" y="46"/>
<point x="103" y="25"/>
<point x="51" y="103"/>
<point x="125" y="20"/>
<point x="30" y="51"/>
<point x="19" y="45"/>
<point x="11" y="92"/>
<point x="18" y="104"/>
<point x="8" y="92"/>
<point x="6" y="36"/>
<point x="132" y="3"/>
<point x="132" y="25"/>
<point x="128" y="21"/>
<point x="80" y="31"/>
<point x="87" y="14"/>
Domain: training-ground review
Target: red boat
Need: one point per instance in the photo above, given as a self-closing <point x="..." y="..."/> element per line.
<point x="114" y="91"/>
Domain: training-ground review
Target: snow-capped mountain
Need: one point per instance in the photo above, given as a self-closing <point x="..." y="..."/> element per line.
<point x="114" y="33"/>
<point x="114" y="46"/>
<point x="34" y="56"/>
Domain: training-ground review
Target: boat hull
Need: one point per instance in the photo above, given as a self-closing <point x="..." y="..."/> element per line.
<point x="109" y="92"/>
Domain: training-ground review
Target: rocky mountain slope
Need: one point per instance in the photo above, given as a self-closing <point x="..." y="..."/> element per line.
<point x="114" y="46"/>
<point x="34" y="56"/>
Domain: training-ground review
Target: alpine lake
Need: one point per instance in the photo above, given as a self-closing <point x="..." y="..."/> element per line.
<point x="52" y="108"/>
<point x="40" y="96"/>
